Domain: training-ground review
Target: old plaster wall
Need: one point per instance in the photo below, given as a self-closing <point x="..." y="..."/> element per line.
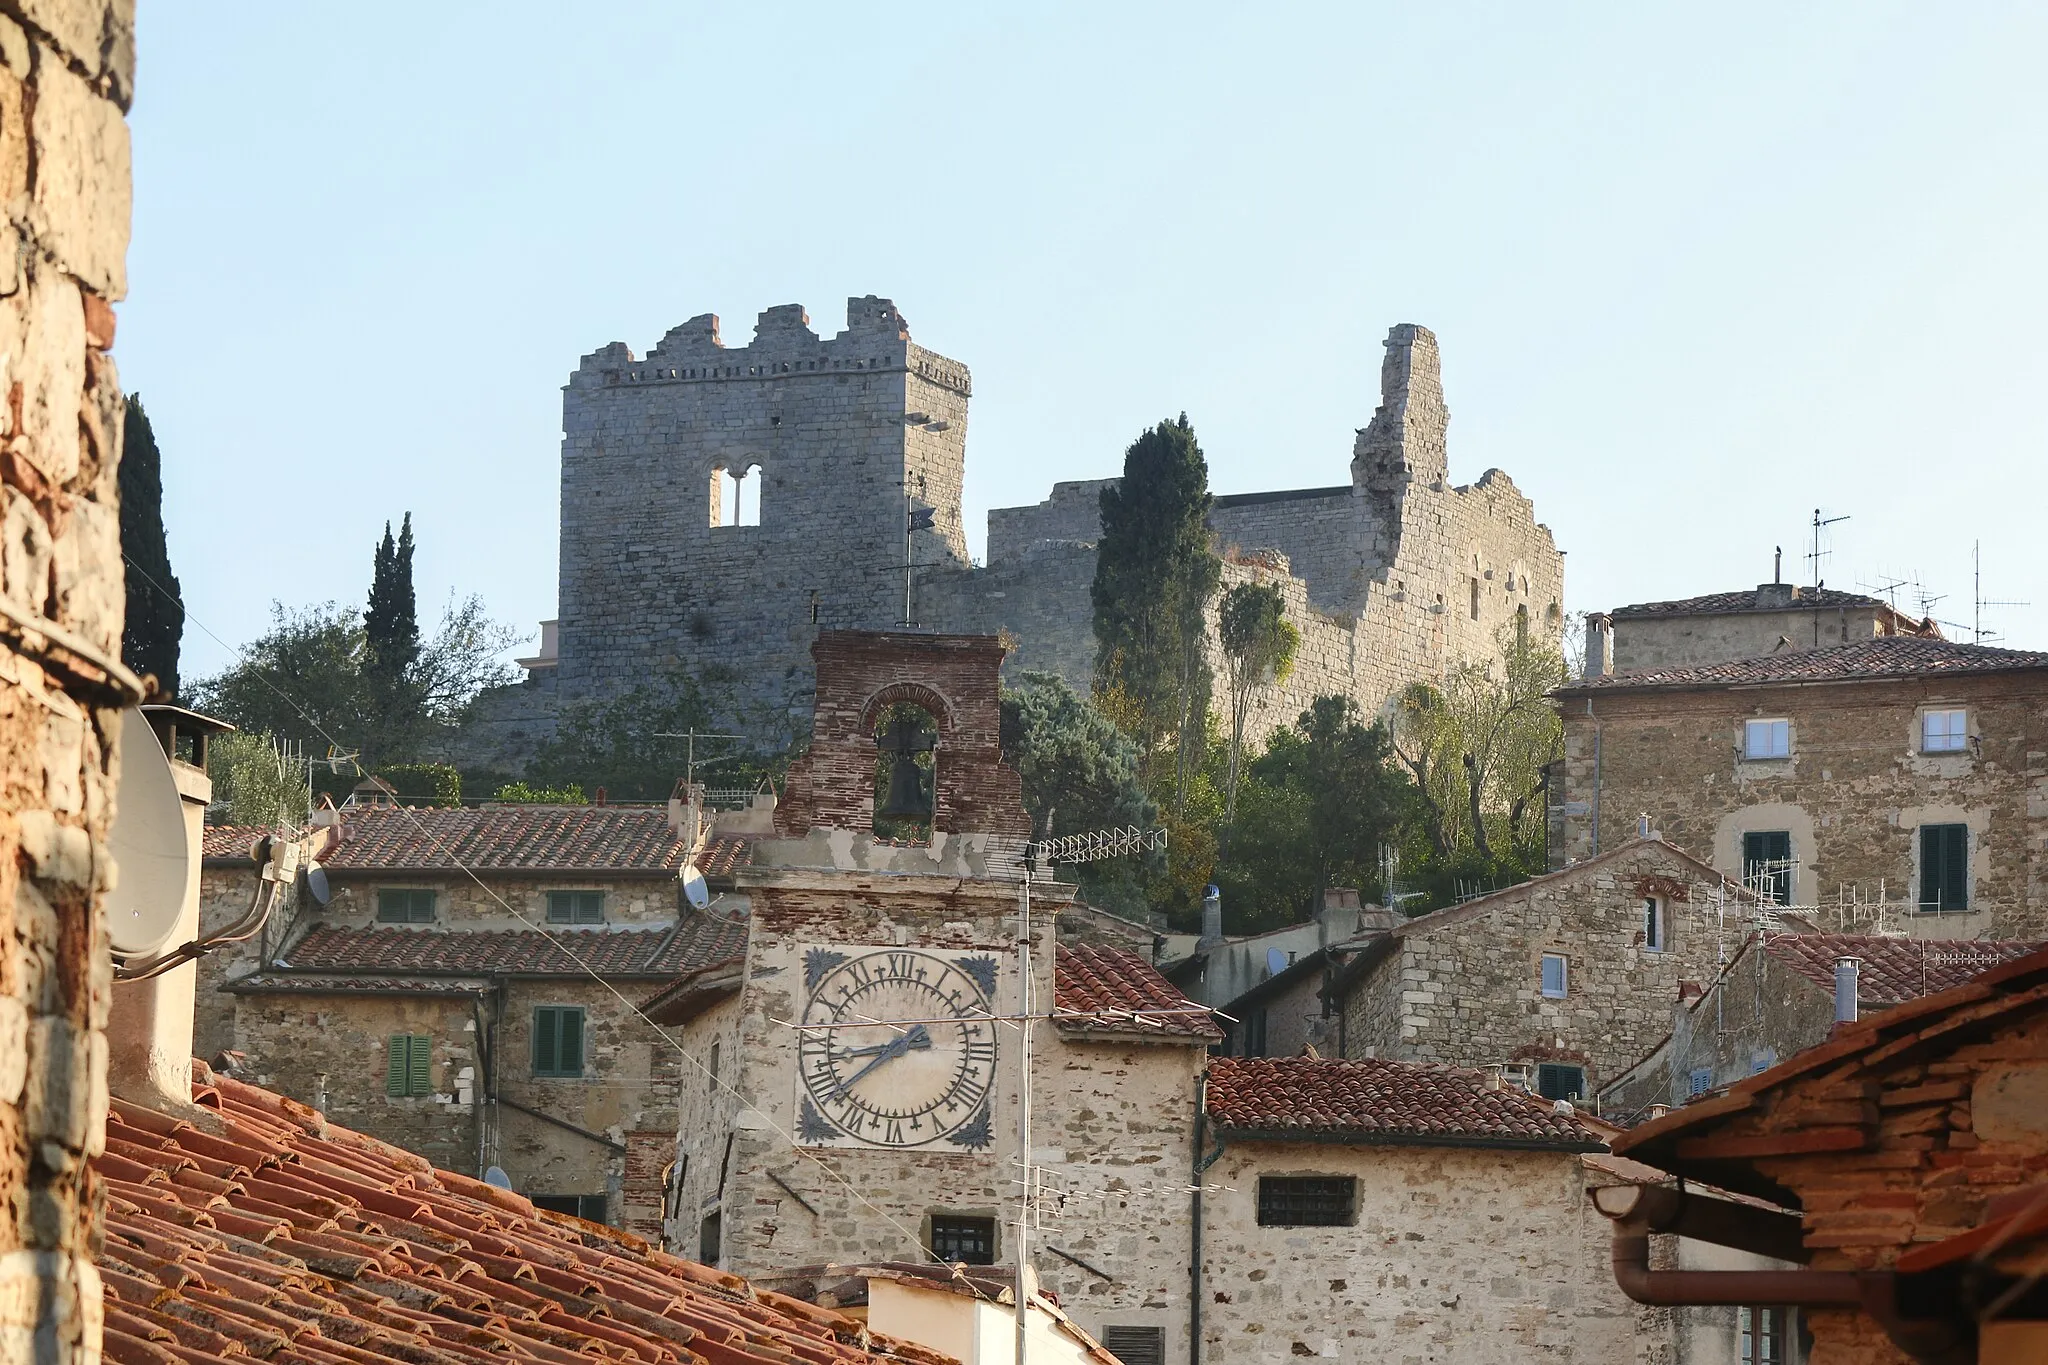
<point x="66" y="78"/>
<point x="1853" y="793"/>
<point x="1464" y="986"/>
<point x="1675" y="640"/>
<point x="225" y="892"/>
<point x="1114" y="1126"/>
<point x="1464" y="1255"/>
<point x="705" y="1130"/>
<point x="460" y="903"/>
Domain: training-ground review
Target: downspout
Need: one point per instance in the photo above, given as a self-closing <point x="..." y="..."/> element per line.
<point x="1202" y="1162"/>
<point x="1596" y="774"/>
<point x="484" y="1089"/>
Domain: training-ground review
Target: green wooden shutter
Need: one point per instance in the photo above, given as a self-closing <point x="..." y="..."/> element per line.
<point x="544" y="1049"/>
<point x="572" y="1042"/>
<point x="422" y="1051"/>
<point x="395" y="1063"/>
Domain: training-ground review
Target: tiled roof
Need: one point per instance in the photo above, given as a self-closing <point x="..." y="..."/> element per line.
<point x="694" y="942"/>
<point x="261" y="983"/>
<point x="1893" y="970"/>
<point x="1893" y="656"/>
<point x="296" y="1242"/>
<point x="1729" y="603"/>
<point x="520" y="838"/>
<point x="1372" y="1100"/>
<point x="1095" y="988"/>
<point x="230" y="843"/>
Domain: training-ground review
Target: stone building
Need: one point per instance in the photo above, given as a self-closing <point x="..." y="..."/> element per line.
<point x="1773" y="618"/>
<point x="851" y="1073"/>
<point x="1566" y="979"/>
<point x="1892" y="782"/>
<point x="1914" y="1146"/>
<point x="837" y="442"/>
<point x="1779" y="994"/>
<point x="468" y="990"/>
<point x="66" y="79"/>
<point x="1381" y="1210"/>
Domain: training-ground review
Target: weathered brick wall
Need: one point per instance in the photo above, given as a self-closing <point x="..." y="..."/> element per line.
<point x="861" y="674"/>
<point x="1464" y="985"/>
<point x="1852" y="795"/>
<point x="1465" y="1255"/>
<point x="66" y="77"/>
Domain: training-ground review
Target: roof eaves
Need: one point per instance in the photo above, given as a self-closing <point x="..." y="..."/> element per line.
<point x="1376" y="1137"/>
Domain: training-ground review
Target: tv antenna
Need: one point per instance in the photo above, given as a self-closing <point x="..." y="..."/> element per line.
<point x="1817" y="554"/>
<point x="1889" y="588"/>
<point x="691" y="736"/>
<point x="1978" y="635"/>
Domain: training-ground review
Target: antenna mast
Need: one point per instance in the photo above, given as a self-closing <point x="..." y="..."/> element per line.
<point x="1979" y="601"/>
<point x="1818" y="554"/>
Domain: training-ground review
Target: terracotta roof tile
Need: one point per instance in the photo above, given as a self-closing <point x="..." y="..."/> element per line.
<point x="225" y="1278"/>
<point x="519" y="838"/>
<point x="1096" y="988"/>
<point x="1897" y="656"/>
<point x="1731" y="603"/>
<point x="1374" y="1100"/>
<point x="1893" y="970"/>
<point x="695" y="942"/>
<point x="230" y="843"/>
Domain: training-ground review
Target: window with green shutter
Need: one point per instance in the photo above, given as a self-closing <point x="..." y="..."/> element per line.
<point x="575" y="907"/>
<point x="405" y="905"/>
<point x="1944" y="868"/>
<point x="408" y="1064"/>
<point x="558" y="1040"/>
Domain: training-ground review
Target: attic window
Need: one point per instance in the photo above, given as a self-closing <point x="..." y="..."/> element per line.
<point x="959" y="1240"/>
<point x="1767" y="739"/>
<point x="1944" y="732"/>
<point x="1556" y="1081"/>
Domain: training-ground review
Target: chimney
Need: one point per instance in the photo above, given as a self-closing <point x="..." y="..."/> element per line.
<point x="1599" y="645"/>
<point x="1212" y="916"/>
<point x="686" y="814"/>
<point x="1770" y="595"/>
<point x="1845" y="989"/>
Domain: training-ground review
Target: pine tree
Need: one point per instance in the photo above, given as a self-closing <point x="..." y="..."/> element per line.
<point x="155" y="623"/>
<point x="1154" y="576"/>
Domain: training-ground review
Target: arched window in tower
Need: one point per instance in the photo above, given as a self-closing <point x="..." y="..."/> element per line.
<point x="736" y="496"/>
<point x="1522" y="625"/>
<point x="906" y="772"/>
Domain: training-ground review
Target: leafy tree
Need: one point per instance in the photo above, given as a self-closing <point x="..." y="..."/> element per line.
<point x="1317" y="807"/>
<point x="620" y="744"/>
<point x="523" y="793"/>
<point x="1154" y="575"/>
<point x="256" y="781"/>
<point x="1477" y="748"/>
<point x="155" y="621"/>
<point x="1080" y="773"/>
<point x="1259" y="643"/>
<point x="431" y="784"/>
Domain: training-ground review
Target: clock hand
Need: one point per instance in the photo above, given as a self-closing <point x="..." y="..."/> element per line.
<point x="917" y="1038"/>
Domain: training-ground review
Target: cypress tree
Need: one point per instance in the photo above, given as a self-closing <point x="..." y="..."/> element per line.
<point x="155" y="622"/>
<point x="1154" y="576"/>
<point x="391" y="643"/>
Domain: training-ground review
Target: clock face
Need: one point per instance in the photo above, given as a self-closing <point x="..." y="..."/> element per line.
<point x="911" y="1061"/>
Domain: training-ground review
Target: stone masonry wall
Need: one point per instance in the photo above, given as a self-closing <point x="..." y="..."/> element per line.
<point x="836" y="427"/>
<point x="1458" y="1256"/>
<point x="1677" y="640"/>
<point x="66" y="78"/>
<point x="1852" y="795"/>
<point x="1463" y="986"/>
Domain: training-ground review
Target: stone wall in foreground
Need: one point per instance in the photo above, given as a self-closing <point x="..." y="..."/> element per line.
<point x="65" y="83"/>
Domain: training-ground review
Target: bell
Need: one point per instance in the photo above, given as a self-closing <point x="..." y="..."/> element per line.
<point x="909" y="797"/>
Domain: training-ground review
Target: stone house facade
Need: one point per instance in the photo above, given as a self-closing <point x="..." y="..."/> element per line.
<point x="1383" y="1210"/>
<point x="861" y="953"/>
<point x="1772" y="618"/>
<point x="1567" y="978"/>
<point x="67" y="75"/>
<point x="1391" y="577"/>
<point x="468" y="991"/>
<point x="1776" y="997"/>
<point x="1914" y="1146"/>
<point x="1893" y="783"/>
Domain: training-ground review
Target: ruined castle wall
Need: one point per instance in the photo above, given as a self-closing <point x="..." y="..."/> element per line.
<point x="1322" y="531"/>
<point x="1041" y="598"/>
<point x="831" y="431"/>
<point x="1071" y="512"/>
<point x="66" y="77"/>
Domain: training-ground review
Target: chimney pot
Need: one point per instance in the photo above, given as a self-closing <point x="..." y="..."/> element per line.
<point x="1212" y="916"/>
<point x="1599" y="645"/>
<point x="1846" y="969"/>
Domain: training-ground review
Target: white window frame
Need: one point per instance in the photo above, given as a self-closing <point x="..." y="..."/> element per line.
<point x="1770" y="748"/>
<point x="1564" y="977"/>
<point x="1954" y="733"/>
<point x="1656" y="925"/>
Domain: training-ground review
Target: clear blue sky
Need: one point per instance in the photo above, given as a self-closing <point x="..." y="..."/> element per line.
<point x="1694" y="272"/>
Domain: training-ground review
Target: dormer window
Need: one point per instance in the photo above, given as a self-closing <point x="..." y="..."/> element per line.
<point x="1944" y="732"/>
<point x="1765" y="739"/>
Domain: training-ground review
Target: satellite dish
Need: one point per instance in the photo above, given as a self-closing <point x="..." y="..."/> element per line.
<point x="1276" y="962"/>
<point x="694" y="889"/>
<point x="496" y="1176"/>
<point x="151" y="855"/>
<point x="316" y="883"/>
